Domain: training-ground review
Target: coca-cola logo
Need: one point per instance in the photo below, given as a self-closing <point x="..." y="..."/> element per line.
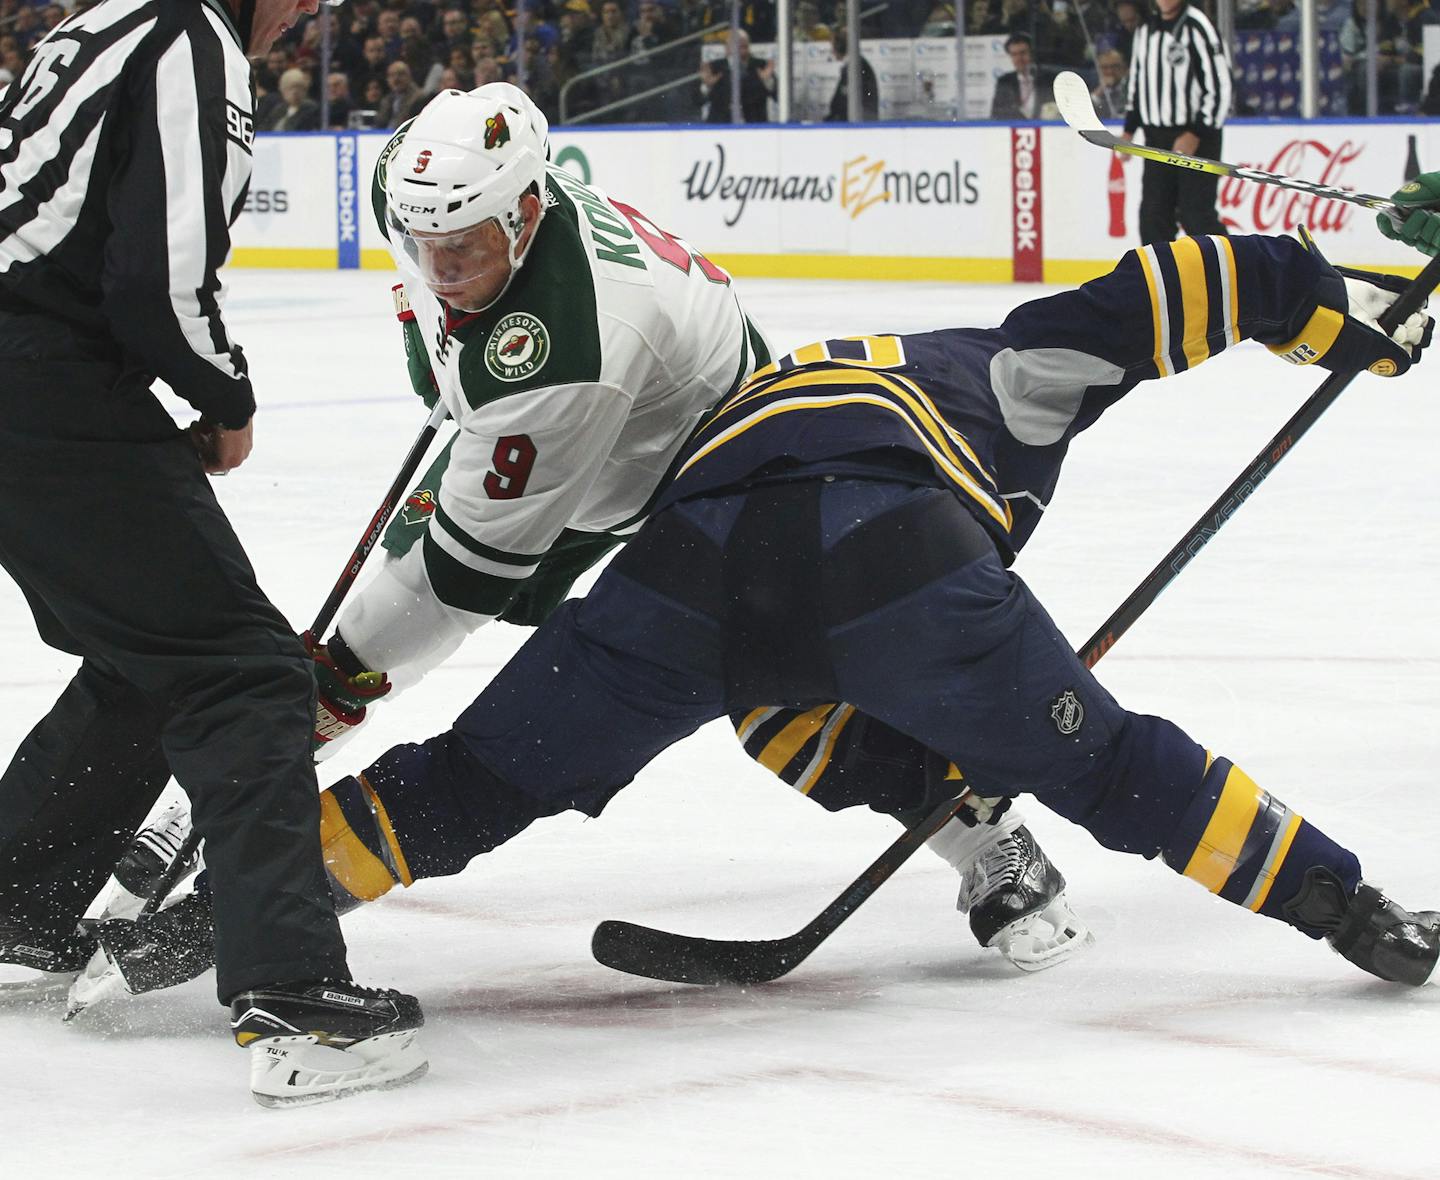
<point x="1246" y="207"/>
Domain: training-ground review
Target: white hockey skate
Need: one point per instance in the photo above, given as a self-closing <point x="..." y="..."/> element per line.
<point x="1014" y="895"/>
<point x="67" y="966"/>
<point x="150" y="855"/>
<point x="318" y="1042"/>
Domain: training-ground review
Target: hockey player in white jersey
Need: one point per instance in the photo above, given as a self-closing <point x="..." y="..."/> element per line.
<point x="577" y="346"/>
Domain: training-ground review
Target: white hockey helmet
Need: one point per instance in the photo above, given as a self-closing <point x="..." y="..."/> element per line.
<point x="465" y="160"/>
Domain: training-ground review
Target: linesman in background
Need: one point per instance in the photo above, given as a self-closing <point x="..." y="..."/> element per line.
<point x="125" y="154"/>
<point x="1179" y="97"/>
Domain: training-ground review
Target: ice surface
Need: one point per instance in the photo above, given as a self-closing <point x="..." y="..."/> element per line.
<point x="1194" y="1040"/>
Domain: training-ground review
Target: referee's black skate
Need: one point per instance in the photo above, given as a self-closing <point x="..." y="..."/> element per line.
<point x="314" y="1042"/>
<point x="1369" y="929"/>
<point x="1012" y="892"/>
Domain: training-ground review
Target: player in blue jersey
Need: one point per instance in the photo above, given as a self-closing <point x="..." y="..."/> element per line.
<point x="840" y="530"/>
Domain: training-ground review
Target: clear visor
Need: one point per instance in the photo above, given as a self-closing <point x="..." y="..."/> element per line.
<point x="448" y="260"/>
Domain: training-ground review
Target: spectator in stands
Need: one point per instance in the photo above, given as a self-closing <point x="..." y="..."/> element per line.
<point x="297" y="111"/>
<point x="1097" y="17"/>
<point x="869" y="86"/>
<point x="1401" y="51"/>
<point x="448" y="80"/>
<point x="372" y="67"/>
<point x="387" y="24"/>
<point x="807" y="25"/>
<point x="1111" y="95"/>
<point x="268" y="103"/>
<point x="1026" y="91"/>
<point x="495" y="29"/>
<point x="693" y="15"/>
<point x="337" y="88"/>
<point x="27" y="28"/>
<point x="415" y="48"/>
<point x="572" y="56"/>
<point x="1331" y="15"/>
<point x="372" y="98"/>
<point x="1054" y="35"/>
<point x="463" y="63"/>
<point x="1431" y="103"/>
<point x="1069" y="47"/>
<point x="982" y="19"/>
<point x="757" y="87"/>
<point x="653" y="27"/>
<point x="454" y="30"/>
<point x="611" y="44"/>
<point x="404" y="98"/>
<point x="487" y="70"/>
<point x="51" y="16"/>
<point x="1129" y="15"/>
<point x="277" y="61"/>
<point x="758" y="19"/>
<point x="612" y="38"/>
<point x="540" y="74"/>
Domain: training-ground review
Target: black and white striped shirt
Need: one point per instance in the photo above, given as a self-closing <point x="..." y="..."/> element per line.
<point x="125" y="153"/>
<point x="1179" y="74"/>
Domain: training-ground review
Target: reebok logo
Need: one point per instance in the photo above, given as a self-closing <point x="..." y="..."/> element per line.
<point x="342" y="998"/>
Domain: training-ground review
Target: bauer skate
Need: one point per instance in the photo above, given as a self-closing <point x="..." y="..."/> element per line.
<point x="1369" y="929"/>
<point x="1014" y="895"/>
<point x="317" y="1042"/>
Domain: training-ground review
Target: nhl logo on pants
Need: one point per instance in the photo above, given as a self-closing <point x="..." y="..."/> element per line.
<point x="1067" y="712"/>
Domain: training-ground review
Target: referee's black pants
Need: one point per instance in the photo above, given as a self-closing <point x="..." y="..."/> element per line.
<point x="1171" y="195"/>
<point x="110" y="528"/>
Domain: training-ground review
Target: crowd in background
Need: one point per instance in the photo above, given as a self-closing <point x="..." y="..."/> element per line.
<point x="390" y="57"/>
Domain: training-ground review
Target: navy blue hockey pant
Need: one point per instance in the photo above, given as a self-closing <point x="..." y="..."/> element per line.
<point x="887" y="596"/>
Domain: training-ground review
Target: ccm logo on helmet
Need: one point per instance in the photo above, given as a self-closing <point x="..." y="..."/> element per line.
<point x="404" y="208"/>
<point x="422" y="161"/>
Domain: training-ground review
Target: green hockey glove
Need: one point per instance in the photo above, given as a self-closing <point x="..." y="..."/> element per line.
<point x="1419" y="201"/>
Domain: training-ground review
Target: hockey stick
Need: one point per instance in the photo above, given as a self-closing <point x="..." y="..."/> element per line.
<point x="381" y="518"/>
<point x="680" y="958"/>
<point x="683" y="958"/>
<point x="1072" y="98"/>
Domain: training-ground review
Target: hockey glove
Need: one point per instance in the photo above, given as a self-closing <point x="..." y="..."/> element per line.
<point x="1343" y="334"/>
<point x="1419" y="203"/>
<point x="344" y="689"/>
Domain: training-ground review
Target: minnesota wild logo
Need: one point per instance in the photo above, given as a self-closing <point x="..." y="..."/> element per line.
<point x="517" y="347"/>
<point x="419" y="506"/>
<point x="497" y="131"/>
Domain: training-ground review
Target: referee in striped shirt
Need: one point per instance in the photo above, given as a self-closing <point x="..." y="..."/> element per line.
<point x="1179" y="96"/>
<point x="125" y="155"/>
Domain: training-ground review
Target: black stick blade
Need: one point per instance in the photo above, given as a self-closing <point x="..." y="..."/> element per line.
<point x="679" y="958"/>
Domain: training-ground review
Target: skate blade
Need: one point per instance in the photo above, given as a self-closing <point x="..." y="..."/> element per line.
<point x="100" y="980"/>
<point x="298" y="1071"/>
<point x="1043" y="939"/>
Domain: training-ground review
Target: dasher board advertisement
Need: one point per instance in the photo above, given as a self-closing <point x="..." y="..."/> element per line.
<point x="1099" y="216"/>
<point x="838" y="202"/>
<point x="290" y="214"/>
<point x="990" y="203"/>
